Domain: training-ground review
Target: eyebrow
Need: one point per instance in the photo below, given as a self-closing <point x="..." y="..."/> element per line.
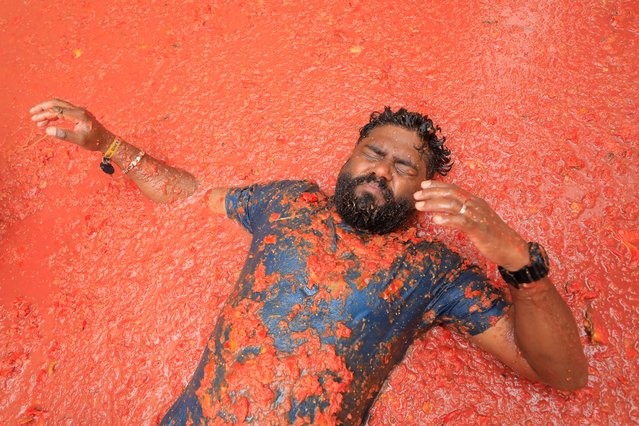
<point x="403" y="161"/>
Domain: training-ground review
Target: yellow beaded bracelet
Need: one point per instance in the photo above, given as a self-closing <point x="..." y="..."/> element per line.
<point x="105" y="164"/>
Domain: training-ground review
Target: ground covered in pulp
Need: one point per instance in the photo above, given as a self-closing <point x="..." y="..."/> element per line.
<point x="107" y="300"/>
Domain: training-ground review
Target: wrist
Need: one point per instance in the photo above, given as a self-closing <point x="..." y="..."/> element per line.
<point x="532" y="271"/>
<point x="104" y="141"/>
<point x="520" y="257"/>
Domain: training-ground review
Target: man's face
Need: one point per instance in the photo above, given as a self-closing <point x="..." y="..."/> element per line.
<point x="375" y="187"/>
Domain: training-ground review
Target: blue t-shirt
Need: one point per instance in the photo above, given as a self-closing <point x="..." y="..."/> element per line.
<point x="321" y="313"/>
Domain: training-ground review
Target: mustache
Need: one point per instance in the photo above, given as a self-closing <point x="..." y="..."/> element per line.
<point x="380" y="182"/>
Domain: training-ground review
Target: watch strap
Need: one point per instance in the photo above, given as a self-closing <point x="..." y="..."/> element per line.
<point x="537" y="268"/>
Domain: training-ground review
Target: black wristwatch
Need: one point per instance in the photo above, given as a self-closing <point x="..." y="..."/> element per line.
<point x="536" y="270"/>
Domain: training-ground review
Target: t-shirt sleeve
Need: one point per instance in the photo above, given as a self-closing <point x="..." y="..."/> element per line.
<point x="464" y="298"/>
<point x="255" y="205"/>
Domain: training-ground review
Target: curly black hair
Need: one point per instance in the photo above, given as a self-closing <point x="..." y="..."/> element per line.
<point x="439" y="159"/>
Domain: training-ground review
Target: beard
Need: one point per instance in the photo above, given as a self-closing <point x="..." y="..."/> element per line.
<point x="362" y="212"/>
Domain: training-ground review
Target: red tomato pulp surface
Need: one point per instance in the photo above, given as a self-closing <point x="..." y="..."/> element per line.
<point x="107" y="300"/>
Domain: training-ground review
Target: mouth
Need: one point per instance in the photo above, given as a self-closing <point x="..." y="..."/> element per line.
<point x="373" y="189"/>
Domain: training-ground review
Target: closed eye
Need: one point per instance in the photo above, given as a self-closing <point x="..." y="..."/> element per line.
<point x="374" y="153"/>
<point x="372" y="156"/>
<point x="405" y="170"/>
<point x="404" y="167"/>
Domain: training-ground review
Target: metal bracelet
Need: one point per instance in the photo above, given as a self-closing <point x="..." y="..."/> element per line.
<point x="134" y="163"/>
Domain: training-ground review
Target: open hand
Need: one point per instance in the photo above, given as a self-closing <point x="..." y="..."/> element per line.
<point x="87" y="133"/>
<point x="454" y="207"/>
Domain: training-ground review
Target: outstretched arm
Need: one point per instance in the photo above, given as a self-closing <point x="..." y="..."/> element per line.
<point x="539" y="325"/>
<point x="157" y="180"/>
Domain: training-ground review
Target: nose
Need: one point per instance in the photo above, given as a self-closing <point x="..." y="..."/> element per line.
<point x="383" y="169"/>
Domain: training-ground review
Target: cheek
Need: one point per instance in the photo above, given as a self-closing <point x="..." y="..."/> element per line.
<point x="354" y="167"/>
<point x="406" y="189"/>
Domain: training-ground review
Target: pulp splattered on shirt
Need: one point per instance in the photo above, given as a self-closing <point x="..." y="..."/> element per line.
<point x="322" y="312"/>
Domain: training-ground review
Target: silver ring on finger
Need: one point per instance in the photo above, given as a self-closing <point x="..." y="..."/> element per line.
<point x="59" y="111"/>
<point x="464" y="207"/>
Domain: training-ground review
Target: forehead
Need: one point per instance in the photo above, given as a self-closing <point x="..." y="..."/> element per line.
<point x="395" y="139"/>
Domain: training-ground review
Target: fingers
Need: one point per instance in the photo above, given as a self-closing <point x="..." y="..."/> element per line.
<point x="437" y="184"/>
<point x="45" y="122"/>
<point x="57" y="112"/>
<point x="443" y="205"/>
<point x="451" y="220"/>
<point x="450" y="205"/>
<point x="50" y="111"/>
<point x="442" y="197"/>
<point x="47" y="105"/>
<point x="64" y="134"/>
<point x="434" y="193"/>
<point x="49" y="115"/>
<point x="433" y="189"/>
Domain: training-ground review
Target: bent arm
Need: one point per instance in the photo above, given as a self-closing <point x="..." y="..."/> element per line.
<point x="538" y="338"/>
<point x="540" y="324"/>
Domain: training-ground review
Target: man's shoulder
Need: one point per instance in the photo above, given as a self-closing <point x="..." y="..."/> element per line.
<point x="286" y="195"/>
<point x="288" y="191"/>
<point x="257" y="204"/>
<point x="278" y="189"/>
<point x="297" y="186"/>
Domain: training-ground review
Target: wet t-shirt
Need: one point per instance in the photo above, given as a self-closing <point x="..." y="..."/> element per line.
<point x="321" y="313"/>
